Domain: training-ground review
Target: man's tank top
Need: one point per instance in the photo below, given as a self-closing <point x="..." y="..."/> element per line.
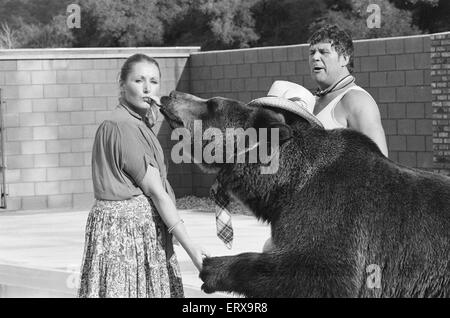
<point x="326" y="115"/>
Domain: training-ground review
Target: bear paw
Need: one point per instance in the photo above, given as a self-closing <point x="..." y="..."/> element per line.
<point x="212" y="274"/>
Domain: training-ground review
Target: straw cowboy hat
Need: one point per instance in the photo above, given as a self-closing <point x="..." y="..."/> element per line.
<point x="291" y="97"/>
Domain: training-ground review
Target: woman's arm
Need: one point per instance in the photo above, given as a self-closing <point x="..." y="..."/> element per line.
<point x="152" y="186"/>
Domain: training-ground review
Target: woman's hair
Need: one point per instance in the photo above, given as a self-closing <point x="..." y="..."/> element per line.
<point x="339" y="39"/>
<point x="136" y="58"/>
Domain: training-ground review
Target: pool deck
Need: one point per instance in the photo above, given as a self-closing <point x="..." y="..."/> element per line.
<point x="41" y="251"/>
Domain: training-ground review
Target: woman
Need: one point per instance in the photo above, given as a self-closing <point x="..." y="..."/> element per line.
<point x="128" y="249"/>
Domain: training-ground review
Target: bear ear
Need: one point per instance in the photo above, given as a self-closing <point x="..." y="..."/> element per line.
<point x="284" y="132"/>
<point x="266" y="118"/>
<point x="298" y="122"/>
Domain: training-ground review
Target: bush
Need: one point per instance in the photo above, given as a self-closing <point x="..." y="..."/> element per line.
<point x="54" y="34"/>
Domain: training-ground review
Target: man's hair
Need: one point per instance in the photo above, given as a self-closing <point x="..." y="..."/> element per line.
<point x="339" y="39"/>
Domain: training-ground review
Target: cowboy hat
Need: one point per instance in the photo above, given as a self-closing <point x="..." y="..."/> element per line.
<point x="291" y="97"/>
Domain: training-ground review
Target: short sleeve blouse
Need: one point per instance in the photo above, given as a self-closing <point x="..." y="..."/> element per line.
<point x="123" y="148"/>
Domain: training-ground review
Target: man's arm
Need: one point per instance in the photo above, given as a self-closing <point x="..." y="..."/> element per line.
<point x="363" y="115"/>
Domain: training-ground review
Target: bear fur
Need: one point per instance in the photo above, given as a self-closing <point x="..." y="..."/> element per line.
<point x="336" y="207"/>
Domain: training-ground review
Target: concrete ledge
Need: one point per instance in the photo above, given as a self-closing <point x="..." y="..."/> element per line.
<point x="24" y="282"/>
<point x="41" y="251"/>
<point x="96" y="53"/>
<point x="405" y="37"/>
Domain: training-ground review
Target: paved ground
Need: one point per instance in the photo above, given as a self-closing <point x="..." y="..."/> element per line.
<point x="40" y="251"/>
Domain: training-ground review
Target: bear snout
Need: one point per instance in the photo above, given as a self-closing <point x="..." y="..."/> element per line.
<point x="186" y="97"/>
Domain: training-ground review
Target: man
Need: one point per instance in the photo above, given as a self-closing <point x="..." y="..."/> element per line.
<point x="340" y="102"/>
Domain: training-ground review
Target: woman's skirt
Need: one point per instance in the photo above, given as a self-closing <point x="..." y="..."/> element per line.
<point x="128" y="252"/>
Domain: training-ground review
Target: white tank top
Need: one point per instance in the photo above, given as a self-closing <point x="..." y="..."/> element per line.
<point x="326" y="115"/>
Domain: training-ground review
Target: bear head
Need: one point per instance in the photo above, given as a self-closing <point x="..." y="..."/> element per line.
<point x="218" y="118"/>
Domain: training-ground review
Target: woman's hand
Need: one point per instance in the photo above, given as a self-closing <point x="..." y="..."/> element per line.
<point x="199" y="253"/>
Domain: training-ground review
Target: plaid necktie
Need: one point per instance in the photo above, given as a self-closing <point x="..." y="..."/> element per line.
<point x="223" y="217"/>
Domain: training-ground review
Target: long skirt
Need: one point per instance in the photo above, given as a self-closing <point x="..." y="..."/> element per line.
<point x="128" y="252"/>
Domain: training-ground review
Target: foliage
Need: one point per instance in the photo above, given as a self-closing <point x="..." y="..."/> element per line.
<point x="211" y="24"/>
<point x="431" y="16"/>
<point x="231" y="22"/>
<point x="286" y="21"/>
<point x="8" y="38"/>
<point x="214" y="24"/>
<point x="354" y="18"/>
<point x="118" y="23"/>
<point x="39" y="12"/>
<point x="54" y="34"/>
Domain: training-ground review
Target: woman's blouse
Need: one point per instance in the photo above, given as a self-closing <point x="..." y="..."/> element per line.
<point x="123" y="148"/>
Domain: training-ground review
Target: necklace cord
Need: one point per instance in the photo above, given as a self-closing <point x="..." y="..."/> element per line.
<point x="328" y="90"/>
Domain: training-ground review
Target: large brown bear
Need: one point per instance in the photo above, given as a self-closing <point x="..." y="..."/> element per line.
<point x="343" y="217"/>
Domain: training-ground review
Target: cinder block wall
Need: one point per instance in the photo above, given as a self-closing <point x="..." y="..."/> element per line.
<point x="56" y="98"/>
<point x="54" y="101"/>
<point x="396" y="71"/>
<point x="440" y="75"/>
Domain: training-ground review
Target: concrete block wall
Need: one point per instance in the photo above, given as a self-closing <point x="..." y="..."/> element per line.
<point x="56" y="98"/>
<point x="440" y="75"/>
<point x="54" y="102"/>
<point x="396" y="72"/>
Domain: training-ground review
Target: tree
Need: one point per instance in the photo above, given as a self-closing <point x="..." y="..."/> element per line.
<point x="209" y="23"/>
<point x="119" y="23"/>
<point x="34" y="23"/>
<point x="54" y="34"/>
<point x="39" y="12"/>
<point x="286" y="21"/>
<point x="354" y="19"/>
<point x="231" y="22"/>
<point x="213" y="24"/>
<point x="431" y="16"/>
<point x="8" y="38"/>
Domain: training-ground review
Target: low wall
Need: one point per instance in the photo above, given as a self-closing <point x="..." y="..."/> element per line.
<point x="54" y="101"/>
<point x="56" y="98"/>
<point x="396" y="72"/>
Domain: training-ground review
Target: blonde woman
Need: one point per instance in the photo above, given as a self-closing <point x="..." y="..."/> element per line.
<point x="128" y="249"/>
